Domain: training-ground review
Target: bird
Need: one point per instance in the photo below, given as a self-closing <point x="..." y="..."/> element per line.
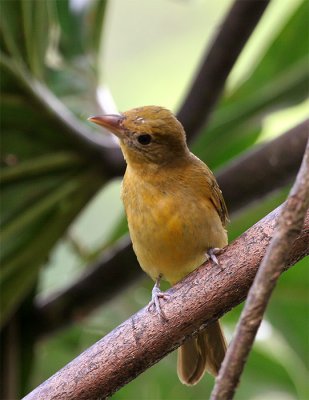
<point x="176" y="216"/>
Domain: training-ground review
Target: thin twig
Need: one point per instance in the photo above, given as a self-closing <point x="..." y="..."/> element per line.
<point x="290" y="223"/>
<point x="272" y="165"/>
<point x="218" y="62"/>
<point x="145" y="338"/>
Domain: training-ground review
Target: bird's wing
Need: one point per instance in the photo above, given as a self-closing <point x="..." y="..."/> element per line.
<point x="211" y="188"/>
<point x="218" y="201"/>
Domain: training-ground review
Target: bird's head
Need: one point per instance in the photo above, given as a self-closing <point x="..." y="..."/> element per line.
<point x="149" y="134"/>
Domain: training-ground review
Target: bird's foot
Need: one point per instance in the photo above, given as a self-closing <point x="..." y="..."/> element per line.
<point x="211" y="254"/>
<point x="157" y="294"/>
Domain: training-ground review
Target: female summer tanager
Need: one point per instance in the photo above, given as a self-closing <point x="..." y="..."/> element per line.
<point x="176" y="215"/>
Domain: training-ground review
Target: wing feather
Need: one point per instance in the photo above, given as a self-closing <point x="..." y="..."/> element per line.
<point x="211" y="188"/>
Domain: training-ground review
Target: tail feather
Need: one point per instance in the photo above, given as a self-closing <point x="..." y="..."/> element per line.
<point x="215" y="344"/>
<point x="205" y="352"/>
<point x="191" y="361"/>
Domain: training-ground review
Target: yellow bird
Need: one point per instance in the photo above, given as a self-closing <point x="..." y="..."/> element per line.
<point x="176" y="216"/>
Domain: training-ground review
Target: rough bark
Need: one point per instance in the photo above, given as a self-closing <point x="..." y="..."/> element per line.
<point x="144" y="339"/>
<point x="290" y="223"/>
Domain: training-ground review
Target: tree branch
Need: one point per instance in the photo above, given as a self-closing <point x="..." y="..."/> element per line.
<point x="290" y="223"/>
<point x="118" y="268"/>
<point x="272" y="165"/>
<point x="144" y="339"/>
<point x="99" y="283"/>
<point x="196" y="109"/>
<point x="218" y="62"/>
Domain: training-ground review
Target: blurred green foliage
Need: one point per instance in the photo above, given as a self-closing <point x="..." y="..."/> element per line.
<point x="52" y="55"/>
<point x="46" y="179"/>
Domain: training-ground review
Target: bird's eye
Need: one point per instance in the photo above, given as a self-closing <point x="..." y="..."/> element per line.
<point x="144" y="139"/>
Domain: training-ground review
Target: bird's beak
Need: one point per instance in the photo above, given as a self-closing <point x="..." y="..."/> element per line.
<point x="112" y="122"/>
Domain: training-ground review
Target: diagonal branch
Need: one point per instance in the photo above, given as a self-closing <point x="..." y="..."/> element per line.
<point x="280" y="160"/>
<point x="144" y="339"/>
<point x="290" y="223"/>
<point x="272" y="165"/>
<point x="218" y="62"/>
<point x="112" y="273"/>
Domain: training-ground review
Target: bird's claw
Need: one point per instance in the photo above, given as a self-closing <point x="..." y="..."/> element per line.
<point x="155" y="299"/>
<point x="211" y="253"/>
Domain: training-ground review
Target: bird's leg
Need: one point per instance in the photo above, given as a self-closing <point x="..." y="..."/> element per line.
<point x="211" y="253"/>
<point x="155" y="298"/>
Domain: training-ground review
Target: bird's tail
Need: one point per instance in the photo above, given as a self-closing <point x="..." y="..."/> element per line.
<point x="205" y="352"/>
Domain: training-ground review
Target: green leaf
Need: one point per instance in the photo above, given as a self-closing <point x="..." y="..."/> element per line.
<point x="40" y="166"/>
<point x="34" y="231"/>
<point x="279" y="80"/>
<point x="36" y="25"/>
<point x="12" y="35"/>
<point x="95" y="28"/>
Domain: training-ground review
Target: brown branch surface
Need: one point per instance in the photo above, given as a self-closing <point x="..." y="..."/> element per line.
<point x="264" y="169"/>
<point x="218" y="62"/>
<point x="142" y="340"/>
<point x="290" y="223"/>
<point x="271" y="166"/>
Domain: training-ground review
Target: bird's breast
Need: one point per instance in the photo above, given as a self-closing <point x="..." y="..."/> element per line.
<point x="170" y="229"/>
